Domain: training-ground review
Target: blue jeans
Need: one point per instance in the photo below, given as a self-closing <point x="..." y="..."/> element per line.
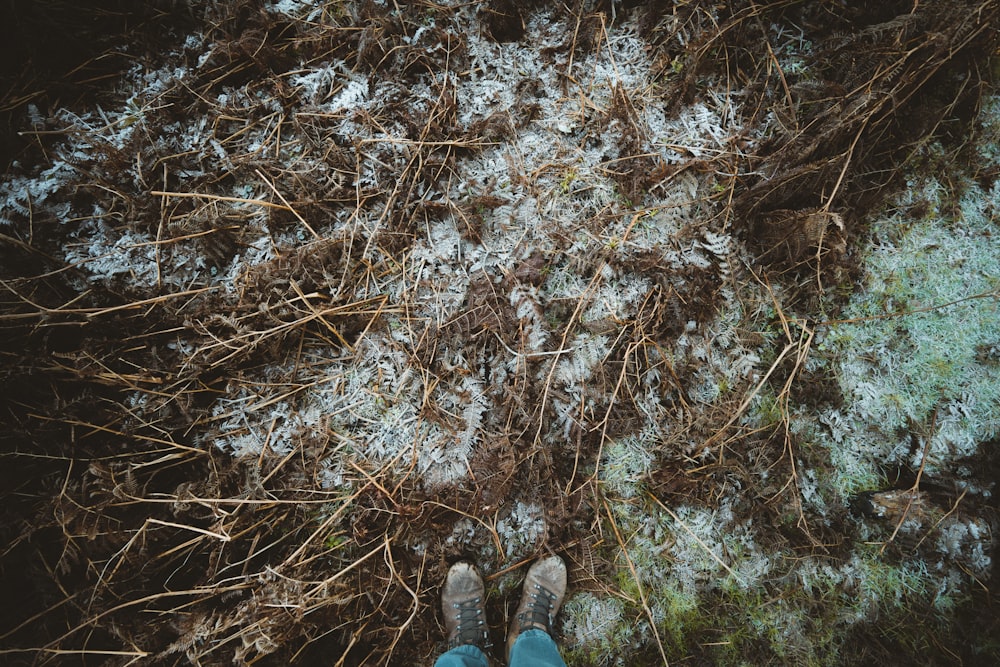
<point x="533" y="648"/>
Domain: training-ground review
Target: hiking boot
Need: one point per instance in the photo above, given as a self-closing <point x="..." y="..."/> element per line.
<point x="543" y="593"/>
<point x="462" y="604"/>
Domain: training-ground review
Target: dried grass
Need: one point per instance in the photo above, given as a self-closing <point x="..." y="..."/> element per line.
<point x="145" y="525"/>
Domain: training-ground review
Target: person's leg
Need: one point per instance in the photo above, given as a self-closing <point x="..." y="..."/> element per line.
<point x="462" y="607"/>
<point x="463" y="656"/>
<point x="535" y="648"/>
<point x="529" y="640"/>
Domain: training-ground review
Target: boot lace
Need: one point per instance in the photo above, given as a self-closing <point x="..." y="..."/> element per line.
<point x="539" y="610"/>
<point x="471" y="628"/>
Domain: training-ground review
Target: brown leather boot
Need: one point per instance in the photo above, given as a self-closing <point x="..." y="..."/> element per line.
<point x="462" y="602"/>
<point x="542" y="595"/>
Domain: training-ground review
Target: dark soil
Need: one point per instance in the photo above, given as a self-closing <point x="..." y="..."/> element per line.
<point x="122" y="534"/>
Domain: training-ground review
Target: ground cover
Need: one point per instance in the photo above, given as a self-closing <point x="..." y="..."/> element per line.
<point x="304" y="301"/>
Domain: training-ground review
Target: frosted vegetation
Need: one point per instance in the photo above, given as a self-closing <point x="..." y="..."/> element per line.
<point x="915" y="351"/>
<point x="525" y="313"/>
<point x="937" y="368"/>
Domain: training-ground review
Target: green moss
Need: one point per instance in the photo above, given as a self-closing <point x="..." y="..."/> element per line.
<point x="335" y="541"/>
<point x="911" y="356"/>
<point x="766" y="410"/>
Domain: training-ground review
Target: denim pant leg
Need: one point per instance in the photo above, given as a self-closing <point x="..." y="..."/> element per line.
<point x="534" y="648"/>
<point x="463" y="656"/>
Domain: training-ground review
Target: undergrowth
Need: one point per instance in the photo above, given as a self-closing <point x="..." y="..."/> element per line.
<point x="303" y="301"/>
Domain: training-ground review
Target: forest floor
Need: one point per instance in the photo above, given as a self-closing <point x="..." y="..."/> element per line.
<point x="303" y="301"/>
